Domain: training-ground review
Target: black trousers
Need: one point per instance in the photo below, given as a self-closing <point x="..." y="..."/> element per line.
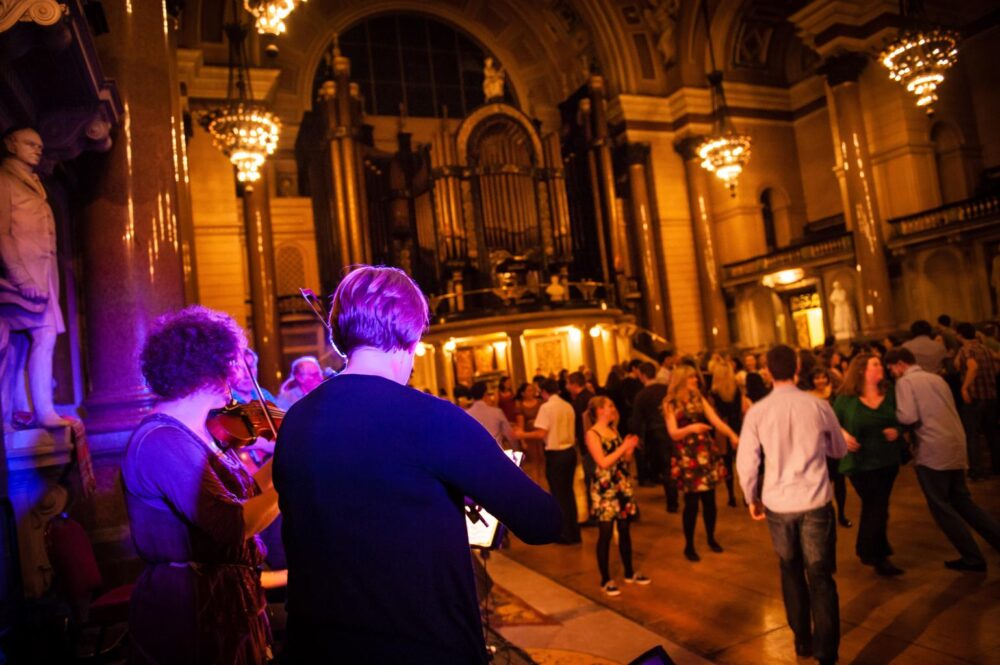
<point x="874" y="487"/>
<point x="952" y="508"/>
<point x="560" y="465"/>
<point x="806" y="545"/>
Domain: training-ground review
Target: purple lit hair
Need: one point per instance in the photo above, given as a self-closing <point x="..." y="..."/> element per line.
<point x="191" y="349"/>
<point x="378" y="307"/>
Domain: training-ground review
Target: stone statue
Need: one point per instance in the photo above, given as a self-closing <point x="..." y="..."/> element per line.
<point x="30" y="318"/>
<point x="493" y="79"/>
<point x="842" y="312"/>
<point x="555" y="290"/>
<point x="662" y="17"/>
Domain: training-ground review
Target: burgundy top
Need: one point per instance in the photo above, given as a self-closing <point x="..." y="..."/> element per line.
<point x="199" y="599"/>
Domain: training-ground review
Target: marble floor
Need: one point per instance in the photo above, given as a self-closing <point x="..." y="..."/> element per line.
<point x="727" y="608"/>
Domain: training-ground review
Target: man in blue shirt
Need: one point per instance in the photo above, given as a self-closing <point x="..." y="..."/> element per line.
<point x="794" y="433"/>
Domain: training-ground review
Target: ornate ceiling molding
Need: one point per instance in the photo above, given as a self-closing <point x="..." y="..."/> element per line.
<point x="42" y="12"/>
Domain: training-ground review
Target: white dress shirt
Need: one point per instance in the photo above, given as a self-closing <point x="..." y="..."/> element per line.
<point x="557" y="418"/>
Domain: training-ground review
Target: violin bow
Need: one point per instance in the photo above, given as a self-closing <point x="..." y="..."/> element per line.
<point x="316" y="305"/>
<point x="260" y="397"/>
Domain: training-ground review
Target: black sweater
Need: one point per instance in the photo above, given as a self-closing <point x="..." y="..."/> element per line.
<point x="371" y="477"/>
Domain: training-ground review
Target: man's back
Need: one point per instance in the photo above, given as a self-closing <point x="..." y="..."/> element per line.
<point x="371" y="477"/>
<point x="925" y="400"/>
<point x="796" y="433"/>
<point x="930" y="353"/>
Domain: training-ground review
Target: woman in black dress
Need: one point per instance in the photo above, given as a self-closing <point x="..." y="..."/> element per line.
<point x="194" y="509"/>
<point x="729" y="405"/>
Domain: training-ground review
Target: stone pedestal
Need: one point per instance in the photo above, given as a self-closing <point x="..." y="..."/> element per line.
<point x="712" y="302"/>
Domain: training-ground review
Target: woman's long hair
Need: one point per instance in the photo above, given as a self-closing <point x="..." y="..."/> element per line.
<point x="678" y="381"/>
<point x="590" y="415"/>
<point x="854" y="381"/>
<point x="724" y="380"/>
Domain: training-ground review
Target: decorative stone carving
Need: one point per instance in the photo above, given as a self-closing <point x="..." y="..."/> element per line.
<point x="493" y="80"/>
<point x="42" y="12"/>
<point x="843" y="322"/>
<point x="662" y="17"/>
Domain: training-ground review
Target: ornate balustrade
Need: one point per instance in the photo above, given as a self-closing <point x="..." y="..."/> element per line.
<point x="961" y="215"/>
<point x="827" y="250"/>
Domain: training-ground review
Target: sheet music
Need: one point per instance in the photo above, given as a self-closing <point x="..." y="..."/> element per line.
<point x="481" y="525"/>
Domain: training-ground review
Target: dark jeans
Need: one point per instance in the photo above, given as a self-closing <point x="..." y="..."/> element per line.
<point x="874" y="487"/>
<point x="589" y="467"/>
<point x="806" y="544"/>
<point x="559" y="468"/>
<point x="979" y="417"/>
<point x="952" y="506"/>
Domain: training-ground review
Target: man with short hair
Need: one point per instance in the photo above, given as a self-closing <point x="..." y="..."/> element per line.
<point x="979" y="399"/>
<point x="491" y="417"/>
<point x="307" y="374"/>
<point x="667" y="360"/>
<point x="794" y="433"/>
<point x="555" y="425"/>
<point x="924" y="401"/>
<point x="930" y="353"/>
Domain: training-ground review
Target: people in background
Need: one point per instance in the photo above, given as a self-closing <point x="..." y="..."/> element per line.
<point x="666" y="359"/>
<point x="491" y="417"/>
<point x="527" y="402"/>
<point x="924" y="401"/>
<point x="580" y="395"/>
<point x="729" y="404"/>
<point x="242" y="383"/>
<point x="611" y="489"/>
<point x="867" y="413"/>
<point x="696" y="465"/>
<point x="930" y="353"/>
<point x="648" y="422"/>
<point x="823" y="390"/>
<point x="793" y="434"/>
<point x="978" y="408"/>
<point x="307" y="374"/>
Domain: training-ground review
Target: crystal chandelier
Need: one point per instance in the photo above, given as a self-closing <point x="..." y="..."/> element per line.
<point x="726" y="152"/>
<point x="269" y="15"/>
<point x="918" y="60"/>
<point x="244" y="130"/>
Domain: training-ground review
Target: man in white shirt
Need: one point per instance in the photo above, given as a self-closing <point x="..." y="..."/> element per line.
<point x="796" y="433"/>
<point x="555" y="425"/>
<point x="925" y="401"/>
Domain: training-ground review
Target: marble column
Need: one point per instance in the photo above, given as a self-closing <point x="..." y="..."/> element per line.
<point x="713" y="304"/>
<point x="861" y="209"/>
<point x="263" y="285"/>
<point x="608" y="276"/>
<point x="589" y="351"/>
<point x="518" y="370"/>
<point x="131" y="243"/>
<point x="654" y="299"/>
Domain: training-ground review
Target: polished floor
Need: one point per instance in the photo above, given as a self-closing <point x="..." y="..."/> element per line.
<point x="727" y="608"/>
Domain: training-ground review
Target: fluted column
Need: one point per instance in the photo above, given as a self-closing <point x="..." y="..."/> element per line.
<point x="713" y="303"/>
<point x="858" y="191"/>
<point x="654" y="300"/>
<point x="131" y="243"/>
<point x="263" y="285"/>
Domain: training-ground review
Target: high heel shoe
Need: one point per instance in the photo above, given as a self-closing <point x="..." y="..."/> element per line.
<point x="690" y="554"/>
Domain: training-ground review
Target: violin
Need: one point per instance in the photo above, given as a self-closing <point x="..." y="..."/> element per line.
<point x="237" y="425"/>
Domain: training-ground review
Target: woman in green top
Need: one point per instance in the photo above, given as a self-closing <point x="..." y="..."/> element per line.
<point x="867" y="414"/>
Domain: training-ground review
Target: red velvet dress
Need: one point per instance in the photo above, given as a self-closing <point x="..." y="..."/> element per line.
<point x="199" y="599"/>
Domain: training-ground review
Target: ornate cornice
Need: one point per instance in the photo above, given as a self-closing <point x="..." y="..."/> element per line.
<point x="42" y="12"/>
<point x="843" y="68"/>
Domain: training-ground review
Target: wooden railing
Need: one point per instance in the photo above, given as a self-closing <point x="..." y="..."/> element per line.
<point x="953" y="214"/>
<point x="791" y="257"/>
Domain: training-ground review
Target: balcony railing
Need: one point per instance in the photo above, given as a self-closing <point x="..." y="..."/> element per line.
<point x="804" y="254"/>
<point x="476" y="303"/>
<point x="953" y="215"/>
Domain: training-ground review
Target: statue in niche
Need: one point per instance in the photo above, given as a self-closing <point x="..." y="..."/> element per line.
<point x="493" y="80"/>
<point x="843" y="323"/>
<point x="662" y="16"/>
<point x="30" y="318"/>
<point x="555" y="290"/>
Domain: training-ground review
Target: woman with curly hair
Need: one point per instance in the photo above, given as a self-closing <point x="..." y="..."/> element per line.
<point x="194" y="510"/>
<point x="866" y="409"/>
<point x="611" y="488"/>
<point x="696" y="465"/>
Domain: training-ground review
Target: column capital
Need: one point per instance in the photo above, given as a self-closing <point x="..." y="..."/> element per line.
<point x="687" y="146"/>
<point x="843" y="68"/>
<point x="636" y="154"/>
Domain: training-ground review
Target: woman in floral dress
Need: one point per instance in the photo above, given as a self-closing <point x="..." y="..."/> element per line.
<point x="611" y="489"/>
<point x="696" y="465"/>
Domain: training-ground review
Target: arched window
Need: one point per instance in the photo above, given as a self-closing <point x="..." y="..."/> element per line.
<point x="414" y="62"/>
<point x="767" y="216"/>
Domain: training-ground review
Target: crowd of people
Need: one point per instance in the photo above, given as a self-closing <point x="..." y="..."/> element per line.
<point x="363" y="464"/>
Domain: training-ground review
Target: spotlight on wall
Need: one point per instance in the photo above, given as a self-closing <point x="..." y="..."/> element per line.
<point x="783" y="277"/>
<point x="450" y="346"/>
<point x="421" y="349"/>
<point x="575" y="335"/>
<point x="595" y="331"/>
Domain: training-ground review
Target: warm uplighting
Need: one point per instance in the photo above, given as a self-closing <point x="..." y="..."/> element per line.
<point x="595" y="331"/>
<point x="421" y="349"/>
<point x="783" y="277"/>
<point x="918" y="60"/>
<point x="575" y="335"/>
<point x="725" y="155"/>
<point x="246" y="133"/>
<point x="450" y="346"/>
<point x="269" y="15"/>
